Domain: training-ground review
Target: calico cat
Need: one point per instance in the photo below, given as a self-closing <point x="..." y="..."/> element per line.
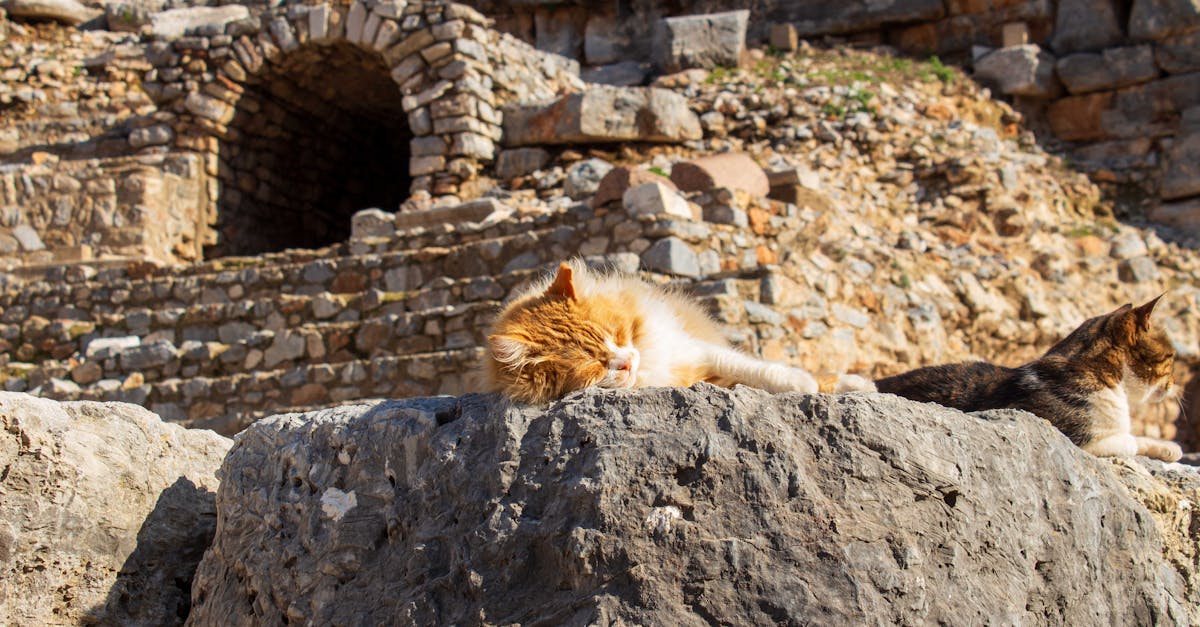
<point x="1084" y="385"/>
<point x="584" y="329"/>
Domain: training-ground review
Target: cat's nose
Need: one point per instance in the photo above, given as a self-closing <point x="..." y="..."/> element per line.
<point x="625" y="365"/>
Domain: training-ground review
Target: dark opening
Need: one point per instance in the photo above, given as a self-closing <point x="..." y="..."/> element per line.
<point x="315" y="139"/>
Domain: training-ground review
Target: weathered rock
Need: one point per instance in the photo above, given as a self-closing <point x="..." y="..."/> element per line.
<point x="516" y="162"/>
<point x="1183" y="215"/>
<point x="734" y="170"/>
<point x="672" y="255"/>
<point x="28" y="238"/>
<point x="1085" y="25"/>
<point x="691" y="506"/>
<point x="584" y="178"/>
<point x="106" y="347"/>
<point x="603" y="114"/>
<point x="700" y="41"/>
<point x="372" y="222"/>
<point x="619" y="179"/>
<point x="655" y="199"/>
<point x="1178" y="54"/>
<point x="1155" y="19"/>
<point x="783" y="37"/>
<point x="175" y="22"/>
<point x="1110" y="69"/>
<point x="148" y="355"/>
<point x="65" y="11"/>
<point x="823" y="18"/>
<point x="626" y="73"/>
<point x="105" y="514"/>
<point x="603" y="41"/>
<point x="473" y="211"/>
<point x="1181" y="167"/>
<point x="1137" y="270"/>
<point x="1019" y="71"/>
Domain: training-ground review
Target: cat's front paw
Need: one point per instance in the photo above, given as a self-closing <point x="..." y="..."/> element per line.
<point x="853" y="383"/>
<point x="1165" y="450"/>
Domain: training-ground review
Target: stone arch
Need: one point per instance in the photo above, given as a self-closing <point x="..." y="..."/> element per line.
<point x="309" y="113"/>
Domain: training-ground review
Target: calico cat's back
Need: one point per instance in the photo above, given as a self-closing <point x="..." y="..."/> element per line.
<point x="968" y="386"/>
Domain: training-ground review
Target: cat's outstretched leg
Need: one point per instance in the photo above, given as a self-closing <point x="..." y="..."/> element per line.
<point x="1165" y="450"/>
<point x="734" y="367"/>
<point x="1116" y="445"/>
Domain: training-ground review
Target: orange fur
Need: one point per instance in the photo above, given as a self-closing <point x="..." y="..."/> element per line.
<point x="581" y="329"/>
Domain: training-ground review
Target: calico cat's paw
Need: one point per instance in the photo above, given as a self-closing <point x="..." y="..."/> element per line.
<point x="1164" y="450"/>
<point x="854" y="383"/>
<point x="795" y="380"/>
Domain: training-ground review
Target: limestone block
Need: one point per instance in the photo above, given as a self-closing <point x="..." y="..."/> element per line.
<point x="671" y="255"/>
<point x="1085" y="25"/>
<point x="1179" y="53"/>
<point x="1019" y="71"/>
<point x="825" y="18"/>
<point x="281" y="31"/>
<point x="655" y="199"/>
<point x="733" y="170"/>
<point x="109" y="347"/>
<point x="175" y="22"/>
<point x="700" y="41"/>
<point x="428" y="145"/>
<point x="28" y="238"/>
<point x="1181" y="165"/>
<point x="419" y="121"/>
<point x="1155" y="19"/>
<point x="209" y="108"/>
<point x="603" y="114"/>
<point x="106" y="512"/>
<point x="1079" y="118"/>
<point x="288" y="345"/>
<point x="1110" y="69"/>
<point x="391" y="9"/>
<point x="147" y="356"/>
<point x="516" y="162"/>
<point x="426" y="165"/>
<point x="447" y="31"/>
<point x="318" y="22"/>
<point x="474" y="211"/>
<point x="619" y="179"/>
<point x="411" y="44"/>
<point x="67" y="12"/>
<point x="472" y="145"/>
<point x="157" y="135"/>
<point x="603" y="42"/>
<point x="783" y="37"/>
<point x="372" y="223"/>
<point x="387" y="33"/>
<point x="408" y="68"/>
<point x="356" y="21"/>
<point x="583" y="178"/>
<point x="1184" y="215"/>
<point x="625" y="73"/>
<point x="559" y="29"/>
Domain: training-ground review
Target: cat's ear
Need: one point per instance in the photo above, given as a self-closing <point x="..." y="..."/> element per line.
<point x="1142" y="314"/>
<point x="507" y="350"/>
<point x="1123" y="325"/>
<point x="563" y="285"/>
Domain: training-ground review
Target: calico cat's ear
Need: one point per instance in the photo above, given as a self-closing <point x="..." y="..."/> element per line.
<point x="506" y="349"/>
<point x="563" y="286"/>
<point x="1142" y="314"/>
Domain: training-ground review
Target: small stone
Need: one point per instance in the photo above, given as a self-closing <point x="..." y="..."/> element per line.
<point x="27" y="238"/>
<point x="147" y="356"/>
<point x="655" y="199"/>
<point x="583" y="178"/>
<point x="87" y="372"/>
<point x="1128" y="245"/>
<point x="733" y="170"/>
<point x="1137" y="270"/>
<point x="620" y="179"/>
<point x="372" y="222"/>
<point x="1019" y="71"/>
<point x="671" y="255"/>
<point x="108" y="347"/>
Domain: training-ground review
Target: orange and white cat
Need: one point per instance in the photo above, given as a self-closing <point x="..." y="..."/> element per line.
<point x="583" y="329"/>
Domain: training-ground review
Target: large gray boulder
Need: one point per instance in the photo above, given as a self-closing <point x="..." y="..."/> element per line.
<point x="700" y="41"/>
<point x="105" y="511"/>
<point x="67" y="12"/>
<point x="691" y="507"/>
<point x="602" y="114"/>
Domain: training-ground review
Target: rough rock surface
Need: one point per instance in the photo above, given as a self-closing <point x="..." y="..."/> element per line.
<point x="689" y="507"/>
<point x="105" y="511"/>
<point x="700" y="41"/>
<point x="603" y="114"/>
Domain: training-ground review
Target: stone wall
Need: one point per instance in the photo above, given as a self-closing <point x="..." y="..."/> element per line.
<point x="249" y="130"/>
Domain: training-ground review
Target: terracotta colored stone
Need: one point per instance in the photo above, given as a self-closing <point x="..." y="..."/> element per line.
<point x="734" y="170"/>
<point x="619" y="179"/>
<point x="1079" y="117"/>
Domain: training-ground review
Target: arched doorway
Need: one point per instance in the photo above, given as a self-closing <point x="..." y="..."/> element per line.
<point x="315" y="138"/>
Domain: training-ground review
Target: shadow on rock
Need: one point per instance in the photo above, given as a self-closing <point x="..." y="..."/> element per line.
<point x="154" y="586"/>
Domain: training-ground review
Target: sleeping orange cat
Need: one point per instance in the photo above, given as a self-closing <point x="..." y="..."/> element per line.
<point x="583" y="329"/>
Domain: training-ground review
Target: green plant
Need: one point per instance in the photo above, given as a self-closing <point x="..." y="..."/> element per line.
<point x="719" y="74"/>
<point x="940" y="71"/>
<point x="660" y="172"/>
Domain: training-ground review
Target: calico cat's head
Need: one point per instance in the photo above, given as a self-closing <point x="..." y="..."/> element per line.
<point x="1126" y="347"/>
<point x="556" y="340"/>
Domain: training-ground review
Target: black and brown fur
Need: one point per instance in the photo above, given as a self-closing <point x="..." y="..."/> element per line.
<point x="1084" y="385"/>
